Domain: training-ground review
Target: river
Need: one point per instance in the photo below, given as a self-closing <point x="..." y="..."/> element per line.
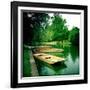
<point x="69" y="67"/>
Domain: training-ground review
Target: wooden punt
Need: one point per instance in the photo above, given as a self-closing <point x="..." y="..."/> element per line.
<point x="50" y="59"/>
<point x="48" y="49"/>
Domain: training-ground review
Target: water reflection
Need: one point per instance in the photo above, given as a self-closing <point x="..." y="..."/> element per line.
<point x="68" y="67"/>
<point x="74" y="53"/>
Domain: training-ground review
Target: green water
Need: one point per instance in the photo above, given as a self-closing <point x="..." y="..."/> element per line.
<point x="26" y="63"/>
<point x="69" y="67"/>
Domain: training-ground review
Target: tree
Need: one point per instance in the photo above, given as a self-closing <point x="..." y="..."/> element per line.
<point x="33" y="26"/>
<point x="74" y="36"/>
<point x="56" y="31"/>
<point x="60" y="28"/>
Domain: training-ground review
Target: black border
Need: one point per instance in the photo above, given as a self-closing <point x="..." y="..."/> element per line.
<point x="14" y="43"/>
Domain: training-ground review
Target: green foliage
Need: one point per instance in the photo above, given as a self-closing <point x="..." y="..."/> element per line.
<point x="40" y="24"/>
<point x="59" y="28"/>
<point x="33" y="26"/>
<point x="47" y="34"/>
<point x="56" y="31"/>
<point x="40" y="27"/>
<point x="74" y="36"/>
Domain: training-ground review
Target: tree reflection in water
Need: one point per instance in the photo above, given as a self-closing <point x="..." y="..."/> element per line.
<point x="68" y="67"/>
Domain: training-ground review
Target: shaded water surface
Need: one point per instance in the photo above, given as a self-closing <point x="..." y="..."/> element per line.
<point x="69" y="67"/>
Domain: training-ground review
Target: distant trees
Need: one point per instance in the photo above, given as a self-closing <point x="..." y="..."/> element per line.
<point x="38" y="28"/>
